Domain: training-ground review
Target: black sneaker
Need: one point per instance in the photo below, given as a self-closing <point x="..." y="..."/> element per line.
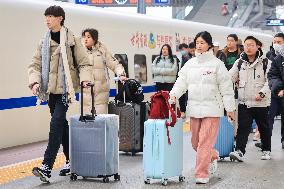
<point x="66" y="169"/>
<point x="43" y="172"/>
<point x="258" y="144"/>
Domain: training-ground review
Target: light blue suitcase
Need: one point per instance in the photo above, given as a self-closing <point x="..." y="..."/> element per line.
<point x="161" y="160"/>
<point x="225" y="139"/>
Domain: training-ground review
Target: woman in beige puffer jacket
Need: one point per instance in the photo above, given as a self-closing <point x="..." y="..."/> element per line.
<point x="101" y="60"/>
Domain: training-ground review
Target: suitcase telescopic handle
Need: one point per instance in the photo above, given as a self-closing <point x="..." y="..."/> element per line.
<point x="116" y="79"/>
<point x="93" y="111"/>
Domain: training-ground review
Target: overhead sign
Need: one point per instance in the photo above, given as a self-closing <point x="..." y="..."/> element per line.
<point x="85" y="2"/>
<point x="275" y="22"/>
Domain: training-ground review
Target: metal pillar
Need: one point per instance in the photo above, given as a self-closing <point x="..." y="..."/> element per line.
<point x="141" y="7"/>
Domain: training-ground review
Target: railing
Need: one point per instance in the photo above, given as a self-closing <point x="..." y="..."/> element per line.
<point x="241" y="14"/>
<point x="196" y="4"/>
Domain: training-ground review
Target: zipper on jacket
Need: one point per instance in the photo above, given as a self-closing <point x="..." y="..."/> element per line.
<point x="254" y="73"/>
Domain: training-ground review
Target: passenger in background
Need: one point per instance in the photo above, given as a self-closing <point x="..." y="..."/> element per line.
<point x="183" y="49"/>
<point x="253" y="97"/>
<point x="164" y="69"/>
<point x="191" y="49"/>
<point x="185" y="57"/>
<point x="240" y="45"/>
<point x="101" y="60"/>
<point x="53" y="77"/>
<point x="225" y="9"/>
<point x="210" y="90"/>
<point x="216" y="50"/>
<point x="231" y="52"/>
<point x="276" y="83"/>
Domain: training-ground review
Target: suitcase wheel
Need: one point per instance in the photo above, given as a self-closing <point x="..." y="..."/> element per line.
<point x="117" y="177"/>
<point x="181" y="178"/>
<point x="73" y="177"/>
<point x="147" y="181"/>
<point x="106" y="180"/>
<point x="164" y="182"/>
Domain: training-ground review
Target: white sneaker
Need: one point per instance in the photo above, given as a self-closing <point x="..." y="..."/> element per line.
<point x="236" y="155"/>
<point x="265" y="155"/>
<point x="202" y="180"/>
<point x="213" y="167"/>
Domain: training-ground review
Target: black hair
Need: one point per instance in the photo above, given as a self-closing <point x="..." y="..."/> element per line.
<point x="93" y="32"/>
<point x="259" y="43"/>
<point x="279" y="35"/>
<point x="191" y="45"/>
<point x="170" y="53"/>
<point x="206" y="36"/>
<point x="233" y="36"/>
<point x="183" y="45"/>
<point x="55" y="11"/>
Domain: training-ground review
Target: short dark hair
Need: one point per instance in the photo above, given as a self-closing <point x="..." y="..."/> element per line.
<point x="259" y="43"/>
<point x="183" y="45"/>
<point x="279" y="35"/>
<point x="93" y="32"/>
<point x="191" y="45"/>
<point x="206" y="36"/>
<point x="233" y="36"/>
<point x="55" y="11"/>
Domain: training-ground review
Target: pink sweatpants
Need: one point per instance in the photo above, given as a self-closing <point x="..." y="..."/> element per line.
<point x="204" y="135"/>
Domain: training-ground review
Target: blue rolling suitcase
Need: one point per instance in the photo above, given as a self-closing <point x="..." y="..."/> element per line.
<point x="162" y="160"/>
<point x="225" y="139"/>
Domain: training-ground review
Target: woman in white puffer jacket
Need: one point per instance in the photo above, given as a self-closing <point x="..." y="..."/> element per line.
<point x="210" y="90"/>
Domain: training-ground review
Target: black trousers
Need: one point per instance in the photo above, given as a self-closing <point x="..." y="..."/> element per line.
<point x="277" y="107"/>
<point x="164" y="86"/>
<point x="245" y="119"/>
<point x="183" y="102"/>
<point x="59" y="130"/>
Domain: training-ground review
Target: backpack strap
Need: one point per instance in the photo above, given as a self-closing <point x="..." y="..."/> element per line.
<point x="240" y="64"/>
<point x="264" y="65"/>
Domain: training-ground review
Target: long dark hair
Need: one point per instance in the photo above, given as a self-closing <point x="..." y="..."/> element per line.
<point x="170" y="53"/>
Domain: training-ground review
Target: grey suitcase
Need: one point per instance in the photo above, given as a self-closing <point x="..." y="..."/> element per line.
<point x="131" y="130"/>
<point x="131" y="122"/>
<point x="94" y="146"/>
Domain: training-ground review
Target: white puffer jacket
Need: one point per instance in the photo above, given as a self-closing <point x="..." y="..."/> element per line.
<point x="209" y="86"/>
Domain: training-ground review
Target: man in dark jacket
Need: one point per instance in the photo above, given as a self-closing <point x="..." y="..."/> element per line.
<point x="186" y="52"/>
<point x="276" y="83"/>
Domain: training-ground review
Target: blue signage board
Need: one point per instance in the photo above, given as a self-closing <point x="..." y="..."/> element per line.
<point x="85" y="2"/>
<point x="162" y="1"/>
<point x="275" y="22"/>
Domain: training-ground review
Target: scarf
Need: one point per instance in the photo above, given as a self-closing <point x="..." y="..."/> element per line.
<point x="68" y="95"/>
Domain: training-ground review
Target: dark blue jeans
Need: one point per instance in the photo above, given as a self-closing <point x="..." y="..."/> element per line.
<point x="59" y="130"/>
<point x="277" y="107"/>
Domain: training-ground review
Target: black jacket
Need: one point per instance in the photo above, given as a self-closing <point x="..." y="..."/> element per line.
<point x="276" y="75"/>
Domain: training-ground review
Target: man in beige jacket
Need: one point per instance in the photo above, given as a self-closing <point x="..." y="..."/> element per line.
<point x="54" y="77"/>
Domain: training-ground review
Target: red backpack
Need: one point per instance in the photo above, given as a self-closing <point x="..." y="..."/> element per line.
<point x="160" y="108"/>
